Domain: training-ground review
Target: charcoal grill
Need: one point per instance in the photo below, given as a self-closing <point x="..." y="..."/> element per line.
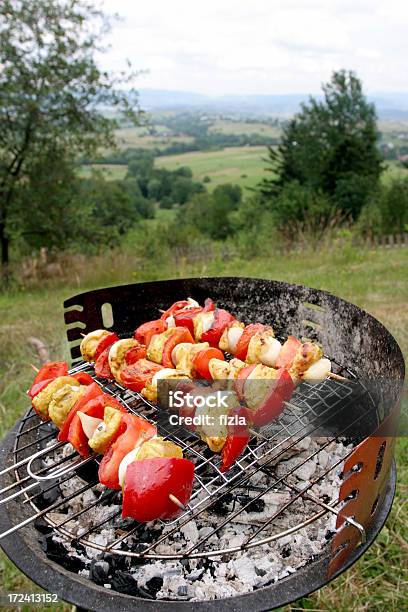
<point x="362" y="406"/>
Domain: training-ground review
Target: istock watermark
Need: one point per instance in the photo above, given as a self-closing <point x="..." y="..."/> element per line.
<point x="218" y="399"/>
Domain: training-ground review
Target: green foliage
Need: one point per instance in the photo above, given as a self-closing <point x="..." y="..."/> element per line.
<point x="300" y="205"/>
<point x="161" y="185"/>
<point x="211" y="213"/>
<point x="330" y="146"/>
<point x="48" y="216"/>
<point x="387" y="213"/>
<point x="50" y="91"/>
<point x="88" y="213"/>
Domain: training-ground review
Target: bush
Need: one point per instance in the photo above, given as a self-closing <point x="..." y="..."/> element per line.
<point x="299" y="209"/>
<point x="210" y="213"/>
<point x="387" y="212"/>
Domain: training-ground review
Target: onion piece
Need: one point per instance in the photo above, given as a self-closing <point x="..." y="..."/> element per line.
<point x="234" y="334"/>
<point x="170" y="322"/>
<point x="270" y="352"/>
<point x="191" y="304"/>
<point x="208" y="320"/>
<point x="318" y="371"/>
<point x="127" y="460"/>
<point x="89" y="424"/>
<point x="162" y="374"/>
<point x="130" y="458"/>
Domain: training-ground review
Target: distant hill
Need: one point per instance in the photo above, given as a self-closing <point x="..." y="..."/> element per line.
<point x="390" y="106"/>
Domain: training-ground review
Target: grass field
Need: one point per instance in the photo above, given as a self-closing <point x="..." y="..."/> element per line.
<point x="242" y="166"/>
<point x="242" y="127"/>
<point x="375" y="280"/>
<point x="135" y="137"/>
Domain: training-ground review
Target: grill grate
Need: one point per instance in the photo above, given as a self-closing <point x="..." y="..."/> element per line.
<point x="311" y="408"/>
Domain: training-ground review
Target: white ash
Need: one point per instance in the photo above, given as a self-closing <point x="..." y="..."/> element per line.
<point x="231" y="573"/>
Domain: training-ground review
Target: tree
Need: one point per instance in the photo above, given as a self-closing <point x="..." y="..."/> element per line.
<point x="330" y="146"/>
<point x="51" y="96"/>
<point x="211" y="213"/>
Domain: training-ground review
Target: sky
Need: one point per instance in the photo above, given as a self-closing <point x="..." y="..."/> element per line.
<point x="221" y="47"/>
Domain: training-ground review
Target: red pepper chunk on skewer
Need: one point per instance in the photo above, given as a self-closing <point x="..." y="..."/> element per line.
<point x="137" y="375"/>
<point x="146" y="331"/>
<point x="149" y="485"/>
<point x="94" y="408"/>
<point x="222" y="318"/>
<point x="237" y="439"/>
<point x="90" y="393"/>
<point x="47" y="373"/>
<point x="137" y="430"/>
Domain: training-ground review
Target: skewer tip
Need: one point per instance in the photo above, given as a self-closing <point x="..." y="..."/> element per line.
<point x="176" y="501"/>
<point x="36" y="370"/>
<point x="336" y="376"/>
<point x="83" y="335"/>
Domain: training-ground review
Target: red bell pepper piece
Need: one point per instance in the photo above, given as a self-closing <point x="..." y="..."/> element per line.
<point x="136" y="376"/>
<point x="237" y="439"/>
<point x="35" y="389"/>
<point x="245" y="339"/>
<point x="94" y="408"/>
<point x="185" y="318"/>
<point x="145" y="331"/>
<point x="221" y="319"/>
<point x="136" y="429"/>
<point x="83" y="378"/>
<point x="288" y="352"/>
<point x="105" y="343"/>
<point x="174" y="308"/>
<point x="180" y="334"/>
<point x="202" y="359"/>
<point x="148" y="484"/>
<point x="48" y="372"/>
<point x="102" y="367"/>
<point x="90" y="393"/>
<point x="209" y="305"/>
<point x="134" y="354"/>
<point x="272" y="404"/>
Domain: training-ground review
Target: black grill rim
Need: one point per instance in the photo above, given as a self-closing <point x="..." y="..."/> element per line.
<point x="79" y="591"/>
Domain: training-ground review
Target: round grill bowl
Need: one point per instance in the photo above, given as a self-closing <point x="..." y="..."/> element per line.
<point x="350" y="336"/>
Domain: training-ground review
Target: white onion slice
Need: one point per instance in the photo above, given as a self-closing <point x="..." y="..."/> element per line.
<point x="191" y="304"/>
<point x="130" y="458"/>
<point x="234" y="334"/>
<point x="208" y="320"/>
<point x="89" y="424"/>
<point x="318" y="371"/>
<point x="270" y="352"/>
<point x="170" y="321"/>
<point x="126" y="461"/>
<point x="162" y="374"/>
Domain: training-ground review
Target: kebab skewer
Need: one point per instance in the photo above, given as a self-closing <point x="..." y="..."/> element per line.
<point x="172" y="354"/>
<point x="155" y="479"/>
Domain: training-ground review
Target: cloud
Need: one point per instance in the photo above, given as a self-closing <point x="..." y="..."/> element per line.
<point x="262" y="46"/>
